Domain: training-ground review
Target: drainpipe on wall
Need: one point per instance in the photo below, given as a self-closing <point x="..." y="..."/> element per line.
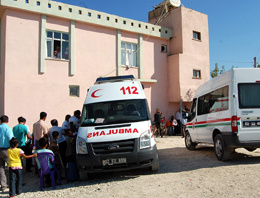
<point x="42" y="45"/>
<point x="118" y="43"/>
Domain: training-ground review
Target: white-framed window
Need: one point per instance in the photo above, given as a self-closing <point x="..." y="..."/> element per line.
<point x="196" y="73"/>
<point x="57" y="45"/>
<point x="74" y="90"/>
<point x="129" y="54"/>
<point x="196" y="36"/>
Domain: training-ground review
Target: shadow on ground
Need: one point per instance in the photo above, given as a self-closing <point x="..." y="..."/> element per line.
<point x="172" y="160"/>
<point x="180" y="159"/>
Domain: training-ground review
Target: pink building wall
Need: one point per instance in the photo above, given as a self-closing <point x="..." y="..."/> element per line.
<point x="26" y="92"/>
<point x="186" y="54"/>
<point x="21" y="67"/>
<point x="155" y="67"/>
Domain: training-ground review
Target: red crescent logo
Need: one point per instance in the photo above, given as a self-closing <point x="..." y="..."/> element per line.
<point x="93" y="94"/>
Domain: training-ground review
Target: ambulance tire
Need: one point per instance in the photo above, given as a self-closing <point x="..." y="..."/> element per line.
<point x="83" y="175"/>
<point x="251" y="149"/>
<point x="155" y="167"/>
<point x="188" y="142"/>
<point x="222" y="151"/>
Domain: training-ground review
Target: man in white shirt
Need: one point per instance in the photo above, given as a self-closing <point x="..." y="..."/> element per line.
<point x="66" y="124"/>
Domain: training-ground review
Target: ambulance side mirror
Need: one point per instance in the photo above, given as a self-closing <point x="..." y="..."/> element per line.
<point x="143" y="86"/>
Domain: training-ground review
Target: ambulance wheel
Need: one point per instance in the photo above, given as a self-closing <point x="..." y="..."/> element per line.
<point x="83" y="175"/>
<point x="188" y="142"/>
<point x="250" y="148"/>
<point x="155" y="167"/>
<point x="222" y="152"/>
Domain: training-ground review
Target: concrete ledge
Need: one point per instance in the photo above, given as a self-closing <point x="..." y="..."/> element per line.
<point x="89" y="16"/>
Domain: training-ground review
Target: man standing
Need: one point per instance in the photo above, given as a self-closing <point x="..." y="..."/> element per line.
<point x="61" y="140"/>
<point x="20" y="132"/>
<point x="157" y="119"/>
<point x="40" y="129"/>
<point x="6" y="135"/>
<point x="178" y="118"/>
<point x="66" y="124"/>
<point x="184" y="122"/>
<point x="74" y="122"/>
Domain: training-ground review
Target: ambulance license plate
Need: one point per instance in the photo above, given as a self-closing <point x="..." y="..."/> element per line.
<point x="111" y="162"/>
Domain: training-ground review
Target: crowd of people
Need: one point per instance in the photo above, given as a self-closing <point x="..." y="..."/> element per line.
<point x="18" y="143"/>
<point x="174" y="126"/>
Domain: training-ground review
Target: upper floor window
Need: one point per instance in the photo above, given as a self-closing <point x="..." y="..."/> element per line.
<point x="196" y="74"/>
<point x="196" y="36"/>
<point x="164" y="48"/>
<point x="128" y="54"/>
<point x="57" y="45"/>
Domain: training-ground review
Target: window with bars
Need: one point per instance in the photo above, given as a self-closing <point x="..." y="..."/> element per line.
<point x="57" y="45"/>
<point x="129" y="54"/>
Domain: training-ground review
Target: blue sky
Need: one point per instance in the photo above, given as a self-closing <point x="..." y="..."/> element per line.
<point x="234" y="30"/>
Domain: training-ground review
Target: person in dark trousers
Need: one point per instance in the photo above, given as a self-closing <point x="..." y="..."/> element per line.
<point x="15" y="167"/>
<point x="178" y="118"/>
<point x="157" y="120"/>
<point x="54" y="146"/>
<point x="6" y="135"/>
<point x="74" y="122"/>
<point x="61" y="140"/>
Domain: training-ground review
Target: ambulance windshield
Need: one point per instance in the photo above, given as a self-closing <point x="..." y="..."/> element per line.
<point x="112" y="112"/>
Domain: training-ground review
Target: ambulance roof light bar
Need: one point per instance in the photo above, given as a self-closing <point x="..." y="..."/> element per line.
<point x="114" y="78"/>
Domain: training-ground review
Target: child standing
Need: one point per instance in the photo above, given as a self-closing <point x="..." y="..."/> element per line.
<point x="54" y="146"/>
<point x="15" y="167"/>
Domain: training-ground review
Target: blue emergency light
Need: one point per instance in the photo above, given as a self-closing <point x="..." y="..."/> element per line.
<point x="114" y="78"/>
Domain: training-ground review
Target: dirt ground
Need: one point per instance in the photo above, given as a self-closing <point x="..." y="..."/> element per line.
<point x="182" y="173"/>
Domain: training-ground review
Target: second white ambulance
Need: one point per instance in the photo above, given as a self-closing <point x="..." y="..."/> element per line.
<point x="115" y="132"/>
<point x="226" y="112"/>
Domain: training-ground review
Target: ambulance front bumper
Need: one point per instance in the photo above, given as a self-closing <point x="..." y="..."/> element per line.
<point x="92" y="163"/>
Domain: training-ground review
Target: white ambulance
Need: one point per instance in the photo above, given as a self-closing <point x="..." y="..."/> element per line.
<point x="115" y="132"/>
<point x="226" y="112"/>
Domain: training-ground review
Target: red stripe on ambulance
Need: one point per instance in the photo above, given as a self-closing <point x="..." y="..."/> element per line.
<point x="211" y="121"/>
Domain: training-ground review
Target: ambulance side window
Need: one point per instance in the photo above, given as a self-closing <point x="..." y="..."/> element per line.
<point x="193" y="110"/>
